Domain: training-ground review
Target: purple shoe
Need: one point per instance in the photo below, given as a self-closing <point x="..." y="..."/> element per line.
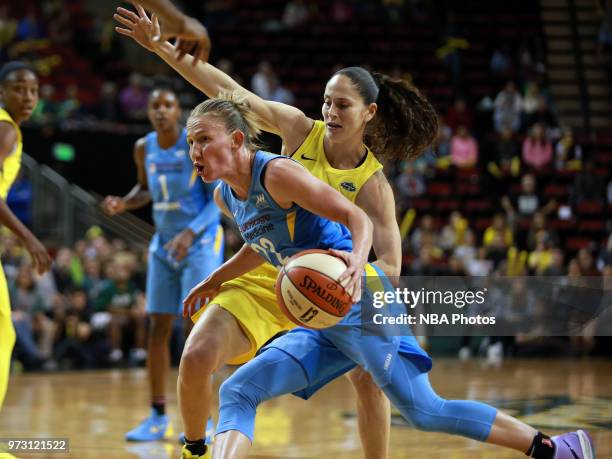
<point x="574" y="445"/>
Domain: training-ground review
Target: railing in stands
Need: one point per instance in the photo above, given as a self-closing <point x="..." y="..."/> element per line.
<point x="62" y="213"/>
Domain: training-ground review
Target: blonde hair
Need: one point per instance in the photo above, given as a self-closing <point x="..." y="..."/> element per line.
<point x="235" y="112"/>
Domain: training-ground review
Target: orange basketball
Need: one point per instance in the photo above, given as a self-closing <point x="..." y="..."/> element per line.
<point x="308" y="290"/>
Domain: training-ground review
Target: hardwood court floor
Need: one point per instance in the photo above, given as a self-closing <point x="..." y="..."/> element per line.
<point x="95" y="409"/>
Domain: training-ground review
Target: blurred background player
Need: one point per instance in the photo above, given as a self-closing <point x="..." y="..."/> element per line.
<point x="19" y="96"/>
<point x="186" y="247"/>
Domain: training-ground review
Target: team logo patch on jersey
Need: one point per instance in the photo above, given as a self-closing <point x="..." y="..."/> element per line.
<point x="152" y="168"/>
<point x="260" y="201"/>
<point x="349" y="186"/>
<point x="179" y="153"/>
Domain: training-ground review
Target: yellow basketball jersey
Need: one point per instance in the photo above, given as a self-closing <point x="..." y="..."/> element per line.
<point x="12" y="163"/>
<point x="311" y="155"/>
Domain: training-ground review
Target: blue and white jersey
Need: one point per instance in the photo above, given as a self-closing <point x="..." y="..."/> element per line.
<point x="180" y="198"/>
<point x="278" y="233"/>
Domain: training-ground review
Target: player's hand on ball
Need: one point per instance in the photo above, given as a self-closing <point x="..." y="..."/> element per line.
<point x="201" y="293"/>
<point x="353" y="273"/>
<point x="113" y="205"/>
<point x="138" y="26"/>
<point x="179" y="245"/>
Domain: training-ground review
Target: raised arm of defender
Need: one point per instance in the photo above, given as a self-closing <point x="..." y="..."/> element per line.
<point x="285" y="120"/>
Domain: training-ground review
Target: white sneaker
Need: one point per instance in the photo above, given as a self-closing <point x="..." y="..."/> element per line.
<point x="115" y="356"/>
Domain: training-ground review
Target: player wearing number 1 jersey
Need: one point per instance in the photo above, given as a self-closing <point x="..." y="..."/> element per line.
<point x="186" y="247"/>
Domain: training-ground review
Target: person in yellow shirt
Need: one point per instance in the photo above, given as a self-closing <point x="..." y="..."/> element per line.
<point x="19" y="95"/>
<point x="362" y="113"/>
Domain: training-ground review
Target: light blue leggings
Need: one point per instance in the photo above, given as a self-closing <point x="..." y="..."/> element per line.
<point x="274" y="373"/>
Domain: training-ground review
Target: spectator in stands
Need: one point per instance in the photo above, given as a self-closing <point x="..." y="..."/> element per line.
<point x="531" y="100"/>
<point x="8" y="29"/>
<point x="588" y="185"/>
<point x="540" y="224"/>
<point x="296" y="12"/>
<point x="342" y="11"/>
<point x="93" y="282"/>
<point x="279" y="93"/>
<point x="409" y="184"/>
<point x="507" y="108"/>
<point x="75" y="332"/>
<point x="261" y="80"/>
<point x="441" y="148"/>
<point x="463" y="149"/>
<point x="29" y="26"/>
<point x="62" y="270"/>
<point x="568" y="154"/>
<point x="507" y="149"/>
<point x="108" y="105"/>
<point x="46" y="109"/>
<point x="480" y="265"/>
<point x="605" y="256"/>
<point x="133" y="99"/>
<point x="541" y="257"/>
<point x="501" y="62"/>
<point x="542" y="115"/>
<point x="467" y="250"/>
<point x="123" y="302"/>
<point x="527" y="202"/>
<point x="423" y="265"/>
<point x="556" y="267"/>
<point x="586" y="263"/>
<point x="458" y="114"/>
<point x="35" y="331"/>
<point x="537" y="149"/>
<point x="70" y="107"/>
<point x="454" y="233"/>
<point x="497" y="239"/>
<point x="426" y="226"/>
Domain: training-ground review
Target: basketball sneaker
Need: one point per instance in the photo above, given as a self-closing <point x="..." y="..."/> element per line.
<point x="574" y="445"/>
<point x="156" y="427"/>
<point x="186" y="454"/>
<point x="210" y="430"/>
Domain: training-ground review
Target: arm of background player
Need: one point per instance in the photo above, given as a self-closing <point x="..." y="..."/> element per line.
<point x="318" y="197"/>
<point x="40" y="256"/>
<point x="139" y="196"/>
<point x="191" y="34"/>
<point x="285" y="120"/>
<point x="207" y="215"/>
<point x="376" y="199"/>
<point x="245" y="260"/>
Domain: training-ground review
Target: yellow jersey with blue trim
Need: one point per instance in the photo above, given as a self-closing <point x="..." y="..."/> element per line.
<point x="311" y="154"/>
<point x="12" y="163"/>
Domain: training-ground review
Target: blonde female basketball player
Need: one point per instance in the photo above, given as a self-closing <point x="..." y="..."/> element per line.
<point x="244" y="315"/>
<point x="264" y="192"/>
<point x="19" y="95"/>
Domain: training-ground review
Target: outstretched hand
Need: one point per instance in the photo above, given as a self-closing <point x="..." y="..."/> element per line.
<point x="191" y="36"/>
<point x="139" y="27"/>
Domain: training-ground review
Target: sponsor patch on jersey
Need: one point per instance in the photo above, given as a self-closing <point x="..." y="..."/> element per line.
<point x="349" y="186"/>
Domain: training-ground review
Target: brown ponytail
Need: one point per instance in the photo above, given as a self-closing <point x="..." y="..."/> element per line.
<point x="405" y="123"/>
